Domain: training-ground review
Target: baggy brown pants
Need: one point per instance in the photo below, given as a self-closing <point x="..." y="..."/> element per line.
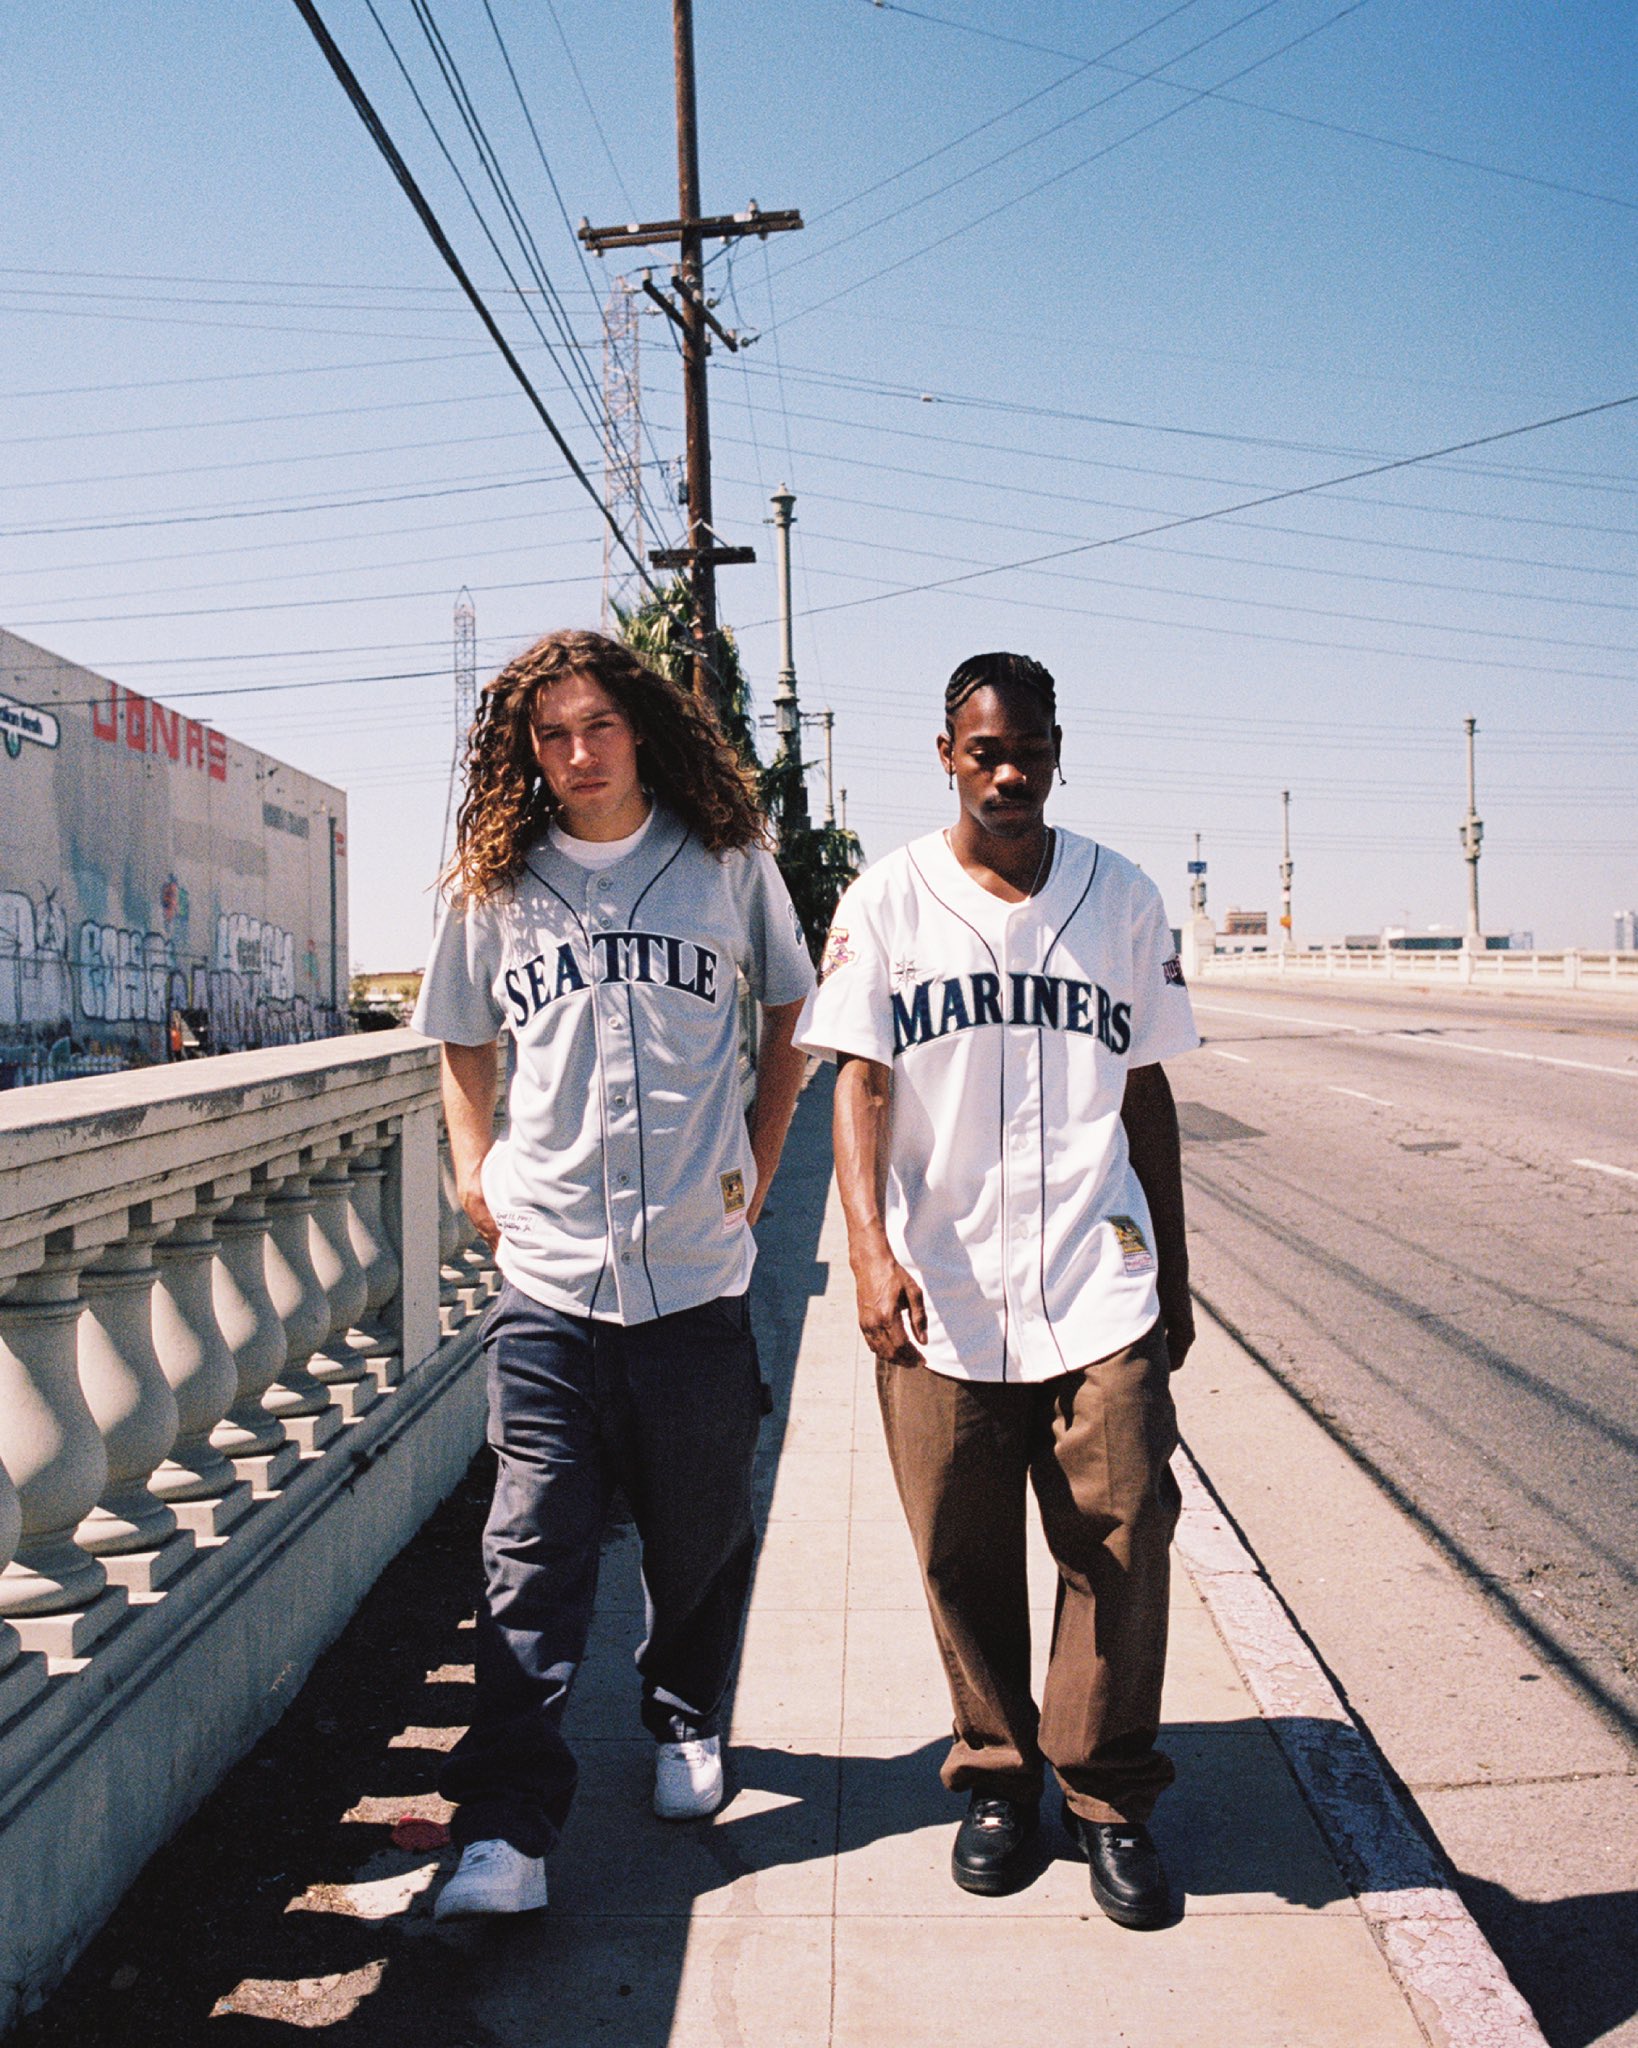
<point x="1095" y="1445"/>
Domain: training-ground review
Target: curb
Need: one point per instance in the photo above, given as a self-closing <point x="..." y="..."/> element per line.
<point x="1434" y="1948"/>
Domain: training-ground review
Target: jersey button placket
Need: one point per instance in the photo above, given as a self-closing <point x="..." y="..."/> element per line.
<point x="621" y="1110"/>
<point x="1025" y="1080"/>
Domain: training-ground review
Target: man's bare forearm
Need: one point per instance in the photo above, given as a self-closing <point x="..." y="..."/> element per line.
<point x="860" y="1125"/>
<point x="892" y="1310"/>
<point x="779" y="1070"/>
<point x="469" y="1078"/>
<point x="1155" y="1147"/>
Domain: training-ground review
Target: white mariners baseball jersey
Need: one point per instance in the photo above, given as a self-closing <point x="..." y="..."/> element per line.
<point x="1009" y="1029"/>
<point x="622" y="1186"/>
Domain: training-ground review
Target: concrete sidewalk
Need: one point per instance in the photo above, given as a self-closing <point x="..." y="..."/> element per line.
<point x="817" y="1907"/>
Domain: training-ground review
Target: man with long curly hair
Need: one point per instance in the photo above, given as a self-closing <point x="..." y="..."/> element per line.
<point x="611" y="883"/>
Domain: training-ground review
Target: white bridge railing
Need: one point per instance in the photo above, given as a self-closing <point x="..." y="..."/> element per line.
<point x="227" y="1291"/>
<point x="1463" y="969"/>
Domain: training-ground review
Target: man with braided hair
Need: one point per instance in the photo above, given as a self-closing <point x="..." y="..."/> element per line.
<point x="611" y="881"/>
<point x="999" y="996"/>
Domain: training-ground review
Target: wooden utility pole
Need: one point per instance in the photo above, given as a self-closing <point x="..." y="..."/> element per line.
<point x="689" y="309"/>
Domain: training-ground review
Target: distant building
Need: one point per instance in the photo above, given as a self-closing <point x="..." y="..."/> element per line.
<point x="1626" y="931"/>
<point x="382" y="1000"/>
<point x="1243" y="931"/>
<point x="164" y="891"/>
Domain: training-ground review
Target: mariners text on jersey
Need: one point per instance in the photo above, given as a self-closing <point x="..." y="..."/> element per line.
<point x="1052" y="1002"/>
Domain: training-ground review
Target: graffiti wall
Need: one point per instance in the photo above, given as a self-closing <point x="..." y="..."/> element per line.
<point x="164" y="891"/>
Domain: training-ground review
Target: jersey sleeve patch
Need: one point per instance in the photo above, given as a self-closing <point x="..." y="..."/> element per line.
<point x="839" y="950"/>
<point x="1172" y="969"/>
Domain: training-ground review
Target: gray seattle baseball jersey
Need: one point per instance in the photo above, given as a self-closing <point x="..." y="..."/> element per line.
<point x="622" y="1187"/>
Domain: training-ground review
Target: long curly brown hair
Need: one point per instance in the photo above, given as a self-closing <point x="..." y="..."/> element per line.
<point x="687" y="763"/>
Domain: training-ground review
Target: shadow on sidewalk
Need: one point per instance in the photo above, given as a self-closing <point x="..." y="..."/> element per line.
<point x="239" y="1929"/>
<point x="1575" y="1960"/>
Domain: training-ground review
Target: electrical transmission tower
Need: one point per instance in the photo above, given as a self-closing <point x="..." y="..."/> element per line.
<point x="466" y="705"/>
<point x="622" y="450"/>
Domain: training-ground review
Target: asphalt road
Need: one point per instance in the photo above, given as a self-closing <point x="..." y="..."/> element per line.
<point x="1422" y="1211"/>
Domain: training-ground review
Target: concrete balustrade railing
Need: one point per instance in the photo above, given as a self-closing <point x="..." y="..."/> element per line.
<point x="1594" y="973"/>
<point x="238" y="1322"/>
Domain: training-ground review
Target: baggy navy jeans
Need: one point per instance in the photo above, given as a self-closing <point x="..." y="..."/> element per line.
<point x="670" y="1410"/>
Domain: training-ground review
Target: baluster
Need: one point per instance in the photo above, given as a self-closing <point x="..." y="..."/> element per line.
<point x="457" y="1298"/>
<point x="21" y="1676"/>
<point x="258" y="1443"/>
<point x="336" y="1265"/>
<point x="133" y="1532"/>
<point x="301" y="1402"/>
<point x="197" y="1480"/>
<point x="372" y="1244"/>
<point x="413" y="1224"/>
<point x="55" y="1594"/>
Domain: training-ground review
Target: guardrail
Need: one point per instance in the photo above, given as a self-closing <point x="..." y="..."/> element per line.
<point x="1570" y="969"/>
<point x="238" y="1320"/>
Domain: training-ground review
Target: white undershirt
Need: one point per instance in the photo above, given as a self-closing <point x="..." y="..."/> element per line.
<point x="597" y="853"/>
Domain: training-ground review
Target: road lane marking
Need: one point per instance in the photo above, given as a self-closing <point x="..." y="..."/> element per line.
<point x="1497" y="1052"/>
<point x="1359" y="1095"/>
<point x="1280" y="1017"/>
<point x="1598" y="1166"/>
<point x="1222" y="1055"/>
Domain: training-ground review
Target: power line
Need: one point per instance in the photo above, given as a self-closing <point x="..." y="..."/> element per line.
<point x="1082" y="66"/>
<point x="1250" y="504"/>
<point x="479" y="141"/>
<point x="1282" y="113"/>
<point x="1175" y="625"/>
<point x="279" y="509"/>
<point x="401" y="171"/>
<point x="1296" y="568"/>
<point x="590" y="403"/>
<point x="1041" y="134"/>
<point x="850" y="383"/>
<point x="301" y="604"/>
<point x="99" y="563"/>
<point x="238" y="463"/>
<point x="656" y="524"/>
<point x="1095" y="156"/>
<point x="991" y="483"/>
<point x="631" y="204"/>
<point x="876" y="547"/>
<point x="462" y="355"/>
<point x="261" y="419"/>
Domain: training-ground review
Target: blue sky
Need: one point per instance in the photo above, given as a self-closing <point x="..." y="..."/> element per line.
<point x="256" y="441"/>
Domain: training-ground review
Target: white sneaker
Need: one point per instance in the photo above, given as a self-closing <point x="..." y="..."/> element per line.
<point x="493" y="1877"/>
<point x="688" y="1778"/>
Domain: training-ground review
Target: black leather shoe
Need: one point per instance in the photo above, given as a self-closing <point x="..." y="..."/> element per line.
<point x="994" y="1845"/>
<point x="1128" y="1877"/>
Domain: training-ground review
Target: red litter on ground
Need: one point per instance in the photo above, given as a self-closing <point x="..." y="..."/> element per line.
<point x="414" y="1833"/>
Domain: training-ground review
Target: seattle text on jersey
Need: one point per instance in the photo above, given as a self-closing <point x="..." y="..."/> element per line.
<point x="653" y="958"/>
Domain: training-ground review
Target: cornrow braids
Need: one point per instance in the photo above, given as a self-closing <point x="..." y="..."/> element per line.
<point x="999" y="672"/>
<point x="686" y="760"/>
